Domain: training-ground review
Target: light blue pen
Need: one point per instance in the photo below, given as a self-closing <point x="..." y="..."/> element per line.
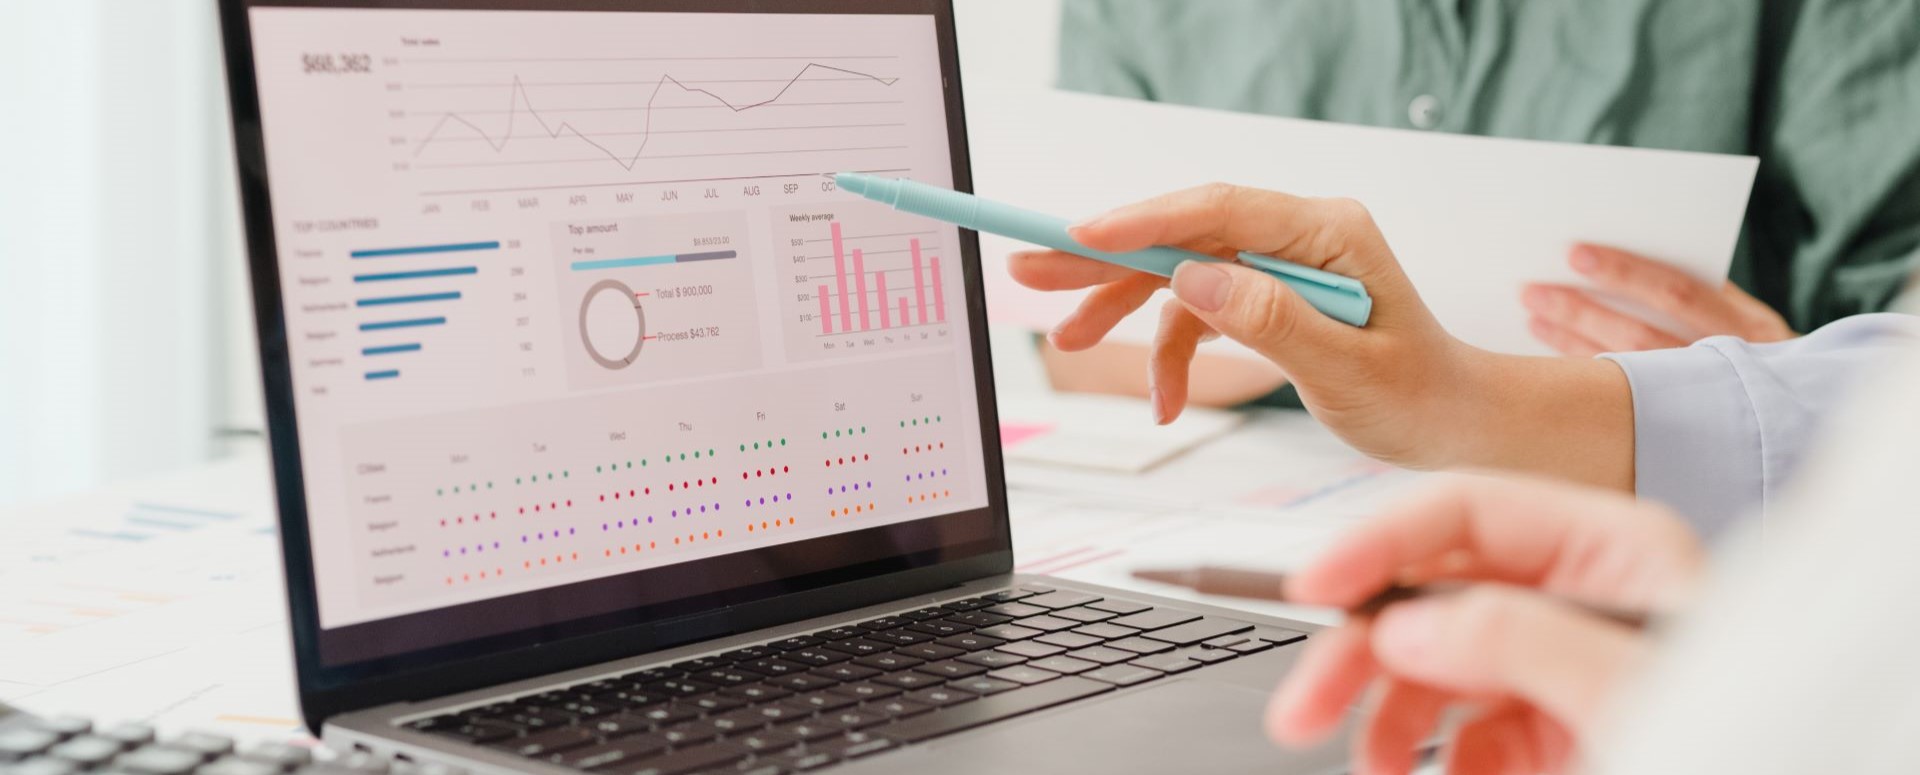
<point x="1341" y="298"/>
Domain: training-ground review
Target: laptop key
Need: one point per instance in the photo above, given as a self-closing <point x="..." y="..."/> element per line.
<point x="620" y="725"/>
<point x="1024" y="674"/>
<point x="895" y="661"/>
<point x="664" y="715"/>
<point x="860" y="647"/>
<point x="727" y="677"/>
<point x="804" y="682"/>
<point x="984" y="685"/>
<point x="968" y="604"/>
<point x="840" y="633"/>
<point x="817" y="657"/>
<point x="1062" y="599"/>
<point x="1140" y="645"/>
<point x="159" y="760"/>
<point x="1166" y="663"/>
<point x="1031" y="649"/>
<point x="686" y="760"/>
<point x="940" y="628"/>
<point x="799" y="760"/>
<point x="972" y="641"/>
<point x="654" y="674"/>
<point x="866" y="690"/>
<point x="810" y="729"/>
<point x="742" y="720"/>
<point x="924" y="614"/>
<point x="689" y="733"/>
<point x="992" y="659"/>
<point x="766" y="741"/>
<point x="1016" y="610"/>
<point x="749" y="653"/>
<point x="1006" y="595"/>
<point x="987" y="710"/>
<point x="1156" y="619"/>
<point x="978" y="619"/>
<point x="1278" y="636"/>
<point x="1070" y="640"/>
<point x="478" y="732"/>
<point x="1048" y="623"/>
<point x="857" y="718"/>
<point x="1197" y="631"/>
<point x="1207" y="654"/>
<point x="901" y="707"/>
<point x="908" y="679"/>
<point x="613" y="752"/>
<point x="852" y="745"/>
<point x="552" y="741"/>
<point x="940" y="696"/>
<point x="950" y="668"/>
<point x="756" y="692"/>
<point x="1121" y="607"/>
<point x="86" y="750"/>
<point x="1106" y="631"/>
<point x="700" y="664"/>
<point x="718" y="703"/>
<point x="680" y="687"/>
<point x="772" y="667"/>
<point x="846" y="671"/>
<point x="1103" y="655"/>
<point x="930" y="651"/>
<point x="1250" y="646"/>
<point x="820" y="701"/>
<point x="1084" y="614"/>
<point x="1064" y="664"/>
<point x="884" y="623"/>
<point x="1008" y="632"/>
<point x="1122" y="675"/>
<point x="901" y="637"/>
<point x="795" y="642"/>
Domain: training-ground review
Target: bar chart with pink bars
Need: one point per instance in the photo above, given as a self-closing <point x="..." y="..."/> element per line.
<point x="871" y="281"/>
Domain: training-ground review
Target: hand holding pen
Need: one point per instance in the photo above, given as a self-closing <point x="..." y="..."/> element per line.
<point x="1522" y="645"/>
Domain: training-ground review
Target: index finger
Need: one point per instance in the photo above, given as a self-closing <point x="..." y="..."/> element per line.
<point x="1664" y="287"/>
<point x="1577" y="541"/>
<point x="1313" y="232"/>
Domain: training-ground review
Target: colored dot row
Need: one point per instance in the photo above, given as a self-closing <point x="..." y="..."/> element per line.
<point x="920" y="448"/>
<point x="768" y="444"/>
<point x="924" y="497"/>
<point x="854" y="509"/>
<point x="837" y="433"/>
<point x="457" y="489"/>
<point x="911" y="422"/>
<point x="848" y="460"/>
<point x="843" y="488"/>
<point x="759" y="472"/>
<point x="763" y="501"/>
<point x="466" y="578"/>
<point x="479" y="548"/>
<point x="914" y="477"/>
<point x="557" y="559"/>
<point x="767" y="526"/>
<point x="463" y="519"/>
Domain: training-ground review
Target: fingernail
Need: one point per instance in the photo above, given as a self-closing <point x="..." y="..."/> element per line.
<point x="1087" y="224"/>
<point x="1202" y="287"/>
<point x="1584" y="260"/>
<point x="1407" y="631"/>
<point x="1159" y="406"/>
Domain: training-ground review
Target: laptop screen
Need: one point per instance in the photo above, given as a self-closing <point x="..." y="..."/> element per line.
<point x="577" y="332"/>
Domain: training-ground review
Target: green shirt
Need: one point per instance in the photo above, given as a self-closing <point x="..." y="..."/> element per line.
<point x="1825" y="92"/>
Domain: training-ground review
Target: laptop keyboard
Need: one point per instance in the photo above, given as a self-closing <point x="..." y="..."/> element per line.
<point x="806" y="702"/>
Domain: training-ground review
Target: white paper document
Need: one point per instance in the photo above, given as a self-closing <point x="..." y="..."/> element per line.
<point x="1472" y="219"/>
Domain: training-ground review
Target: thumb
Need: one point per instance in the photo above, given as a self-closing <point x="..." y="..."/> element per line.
<point x="1257" y="310"/>
<point x="1501" y="641"/>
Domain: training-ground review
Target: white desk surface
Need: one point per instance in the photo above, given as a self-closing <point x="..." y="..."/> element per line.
<point x="161" y="600"/>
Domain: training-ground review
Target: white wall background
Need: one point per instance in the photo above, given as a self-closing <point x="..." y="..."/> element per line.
<point x="126" y="340"/>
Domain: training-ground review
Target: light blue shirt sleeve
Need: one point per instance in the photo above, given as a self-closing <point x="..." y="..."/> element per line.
<point x="1719" y="427"/>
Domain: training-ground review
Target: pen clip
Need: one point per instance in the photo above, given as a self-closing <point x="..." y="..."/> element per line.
<point x="1304" y="273"/>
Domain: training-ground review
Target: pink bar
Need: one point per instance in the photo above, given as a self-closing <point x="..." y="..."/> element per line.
<point x="919" y="286"/>
<point x="939" y="299"/>
<point x="826" y="313"/>
<point x="860" y="286"/>
<point x="903" y="312"/>
<point x="840" y="274"/>
<point x="880" y="290"/>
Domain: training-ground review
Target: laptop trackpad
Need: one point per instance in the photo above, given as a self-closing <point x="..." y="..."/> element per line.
<point x="1186" y="726"/>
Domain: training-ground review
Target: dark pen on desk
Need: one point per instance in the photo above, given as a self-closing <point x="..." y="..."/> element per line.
<point x="1263" y="585"/>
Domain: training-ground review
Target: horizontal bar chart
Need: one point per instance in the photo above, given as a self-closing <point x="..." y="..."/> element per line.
<point x="390" y="349"/>
<point x="624" y="263"/>
<point x="417" y="274"/>
<point x="374" y="376"/>
<point x="416" y="250"/>
<point x="387" y="301"/>
<point x="387" y="325"/>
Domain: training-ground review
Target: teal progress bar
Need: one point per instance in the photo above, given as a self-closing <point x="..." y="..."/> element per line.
<point x="622" y="263"/>
<point x="423" y="249"/>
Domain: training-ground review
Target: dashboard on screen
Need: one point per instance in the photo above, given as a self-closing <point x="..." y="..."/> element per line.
<point x="569" y="296"/>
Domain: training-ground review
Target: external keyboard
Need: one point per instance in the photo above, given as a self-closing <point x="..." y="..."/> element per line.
<point x="69" y="746"/>
<point x="806" y="702"/>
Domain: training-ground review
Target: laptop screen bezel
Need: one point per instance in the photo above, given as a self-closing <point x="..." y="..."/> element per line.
<point x="328" y="689"/>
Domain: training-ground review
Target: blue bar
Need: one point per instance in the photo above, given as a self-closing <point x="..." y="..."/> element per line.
<point x="622" y="263"/>
<point x="388" y="374"/>
<point x="415" y="275"/>
<point x="221" y="515"/>
<point x="116" y="535"/>
<point x="460" y="247"/>
<point x="391" y="324"/>
<point x="385" y="301"/>
<point x="391" y="349"/>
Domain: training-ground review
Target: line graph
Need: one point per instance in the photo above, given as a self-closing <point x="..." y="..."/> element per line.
<point x="519" y="100"/>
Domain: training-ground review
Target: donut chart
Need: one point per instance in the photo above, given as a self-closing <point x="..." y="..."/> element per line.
<point x="613" y="325"/>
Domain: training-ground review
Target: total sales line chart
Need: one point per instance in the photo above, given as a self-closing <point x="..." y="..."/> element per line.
<point x="499" y="126"/>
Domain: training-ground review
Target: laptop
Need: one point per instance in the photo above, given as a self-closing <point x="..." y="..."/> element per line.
<point x="608" y="437"/>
